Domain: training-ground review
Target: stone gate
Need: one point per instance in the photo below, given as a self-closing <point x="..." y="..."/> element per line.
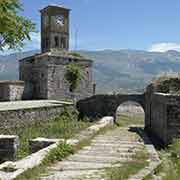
<point x="106" y="105"/>
<point x="162" y="110"/>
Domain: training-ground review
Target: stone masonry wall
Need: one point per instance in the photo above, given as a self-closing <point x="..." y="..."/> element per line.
<point x="173" y="118"/>
<point x="11" y="91"/>
<point x="13" y="119"/>
<point x="58" y="87"/>
<point x="46" y="75"/>
<point x="158" y="119"/>
<point x="106" y="105"/>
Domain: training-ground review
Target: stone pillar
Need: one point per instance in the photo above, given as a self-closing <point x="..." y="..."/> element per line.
<point x="8" y="147"/>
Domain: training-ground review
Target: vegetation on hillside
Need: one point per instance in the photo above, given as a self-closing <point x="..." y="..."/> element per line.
<point x="14" y="29"/>
<point x="118" y="71"/>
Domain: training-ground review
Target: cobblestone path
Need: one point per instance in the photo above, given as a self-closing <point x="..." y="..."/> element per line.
<point x="105" y="150"/>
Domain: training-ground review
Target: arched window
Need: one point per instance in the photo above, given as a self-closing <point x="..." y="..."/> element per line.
<point x="46" y="43"/>
<point x="56" y="40"/>
<point x="63" y="42"/>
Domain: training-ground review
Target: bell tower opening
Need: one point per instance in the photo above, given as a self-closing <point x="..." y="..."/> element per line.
<point x="54" y="28"/>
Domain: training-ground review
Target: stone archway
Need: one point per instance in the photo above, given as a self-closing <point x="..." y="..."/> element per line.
<point x="130" y="112"/>
<point x="106" y="105"/>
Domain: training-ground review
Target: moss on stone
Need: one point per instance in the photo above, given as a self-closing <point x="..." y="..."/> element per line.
<point x="167" y="84"/>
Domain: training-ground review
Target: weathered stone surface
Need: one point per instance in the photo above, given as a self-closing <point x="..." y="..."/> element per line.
<point x="106" y="105"/>
<point x="162" y="114"/>
<point x="90" y="162"/>
<point x="46" y="73"/>
<point x="8" y="147"/>
<point x="21" y="114"/>
<point x="11" y="90"/>
<point x="40" y="143"/>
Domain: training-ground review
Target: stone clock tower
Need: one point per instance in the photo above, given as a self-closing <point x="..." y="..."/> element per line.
<point x="54" y="28"/>
<point x="44" y="73"/>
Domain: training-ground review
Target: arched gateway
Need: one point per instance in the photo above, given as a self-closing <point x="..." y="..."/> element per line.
<point x="106" y="105"/>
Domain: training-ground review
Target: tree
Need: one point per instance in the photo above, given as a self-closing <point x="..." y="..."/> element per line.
<point x="72" y="75"/>
<point x="14" y="29"/>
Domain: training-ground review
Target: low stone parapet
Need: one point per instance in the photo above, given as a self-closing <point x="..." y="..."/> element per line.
<point x="40" y="143"/>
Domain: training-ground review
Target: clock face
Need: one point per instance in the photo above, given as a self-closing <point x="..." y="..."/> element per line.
<point x="60" y="20"/>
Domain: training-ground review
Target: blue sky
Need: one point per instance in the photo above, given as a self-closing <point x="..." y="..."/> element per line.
<point x="116" y="24"/>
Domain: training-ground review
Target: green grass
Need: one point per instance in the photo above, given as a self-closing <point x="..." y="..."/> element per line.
<point x="65" y="126"/>
<point x="56" y="154"/>
<point x="169" y="169"/>
<point x="124" y="120"/>
<point x="129" y="168"/>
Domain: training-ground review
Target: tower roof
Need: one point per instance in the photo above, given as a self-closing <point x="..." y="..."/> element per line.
<point x="54" y="6"/>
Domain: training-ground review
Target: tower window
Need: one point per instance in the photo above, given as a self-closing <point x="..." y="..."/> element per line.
<point x="56" y="40"/>
<point x="63" y="42"/>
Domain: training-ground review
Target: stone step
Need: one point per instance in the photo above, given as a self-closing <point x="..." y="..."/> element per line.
<point x="76" y="175"/>
<point x="76" y="165"/>
<point x="115" y="145"/>
<point x="109" y="148"/>
<point x="98" y="159"/>
<point x="115" y="141"/>
<point x="106" y="153"/>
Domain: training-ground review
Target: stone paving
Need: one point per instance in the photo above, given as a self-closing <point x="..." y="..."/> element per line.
<point x="106" y="150"/>
<point x="15" y="105"/>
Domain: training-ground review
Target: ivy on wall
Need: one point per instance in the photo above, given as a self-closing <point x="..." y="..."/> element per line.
<point x="73" y="76"/>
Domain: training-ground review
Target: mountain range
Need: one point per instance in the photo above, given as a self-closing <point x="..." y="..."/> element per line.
<point x="120" y="70"/>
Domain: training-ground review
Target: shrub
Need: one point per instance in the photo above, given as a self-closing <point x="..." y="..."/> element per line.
<point x="58" y="153"/>
<point x="75" y="54"/>
<point x="72" y="75"/>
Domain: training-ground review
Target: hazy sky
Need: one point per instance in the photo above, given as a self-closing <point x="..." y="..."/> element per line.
<point x="116" y="24"/>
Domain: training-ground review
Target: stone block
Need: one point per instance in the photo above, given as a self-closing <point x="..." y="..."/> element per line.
<point x="11" y="90"/>
<point x="40" y="143"/>
<point x="8" y="147"/>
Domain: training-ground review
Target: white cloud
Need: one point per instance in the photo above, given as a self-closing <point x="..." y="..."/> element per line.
<point x="164" y="46"/>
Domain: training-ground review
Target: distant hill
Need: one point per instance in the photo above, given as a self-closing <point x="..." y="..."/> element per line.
<point x="113" y="70"/>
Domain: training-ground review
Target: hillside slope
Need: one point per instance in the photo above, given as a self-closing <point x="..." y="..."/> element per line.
<point x="113" y="70"/>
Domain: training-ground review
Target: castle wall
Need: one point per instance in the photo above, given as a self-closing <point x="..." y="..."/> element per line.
<point x="10" y="120"/>
<point x="58" y="87"/>
<point x="158" y="116"/>
<point x="163" y="115"/>
<point x="34" y="73"/>
<point x="46" y="76"/>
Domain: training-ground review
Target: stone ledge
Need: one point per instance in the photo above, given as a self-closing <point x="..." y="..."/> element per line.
<point x="12" y="82"/>
<point x="154" y="160"/>
<point x="40" y="143"/>
<point x="35" y="159"/>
